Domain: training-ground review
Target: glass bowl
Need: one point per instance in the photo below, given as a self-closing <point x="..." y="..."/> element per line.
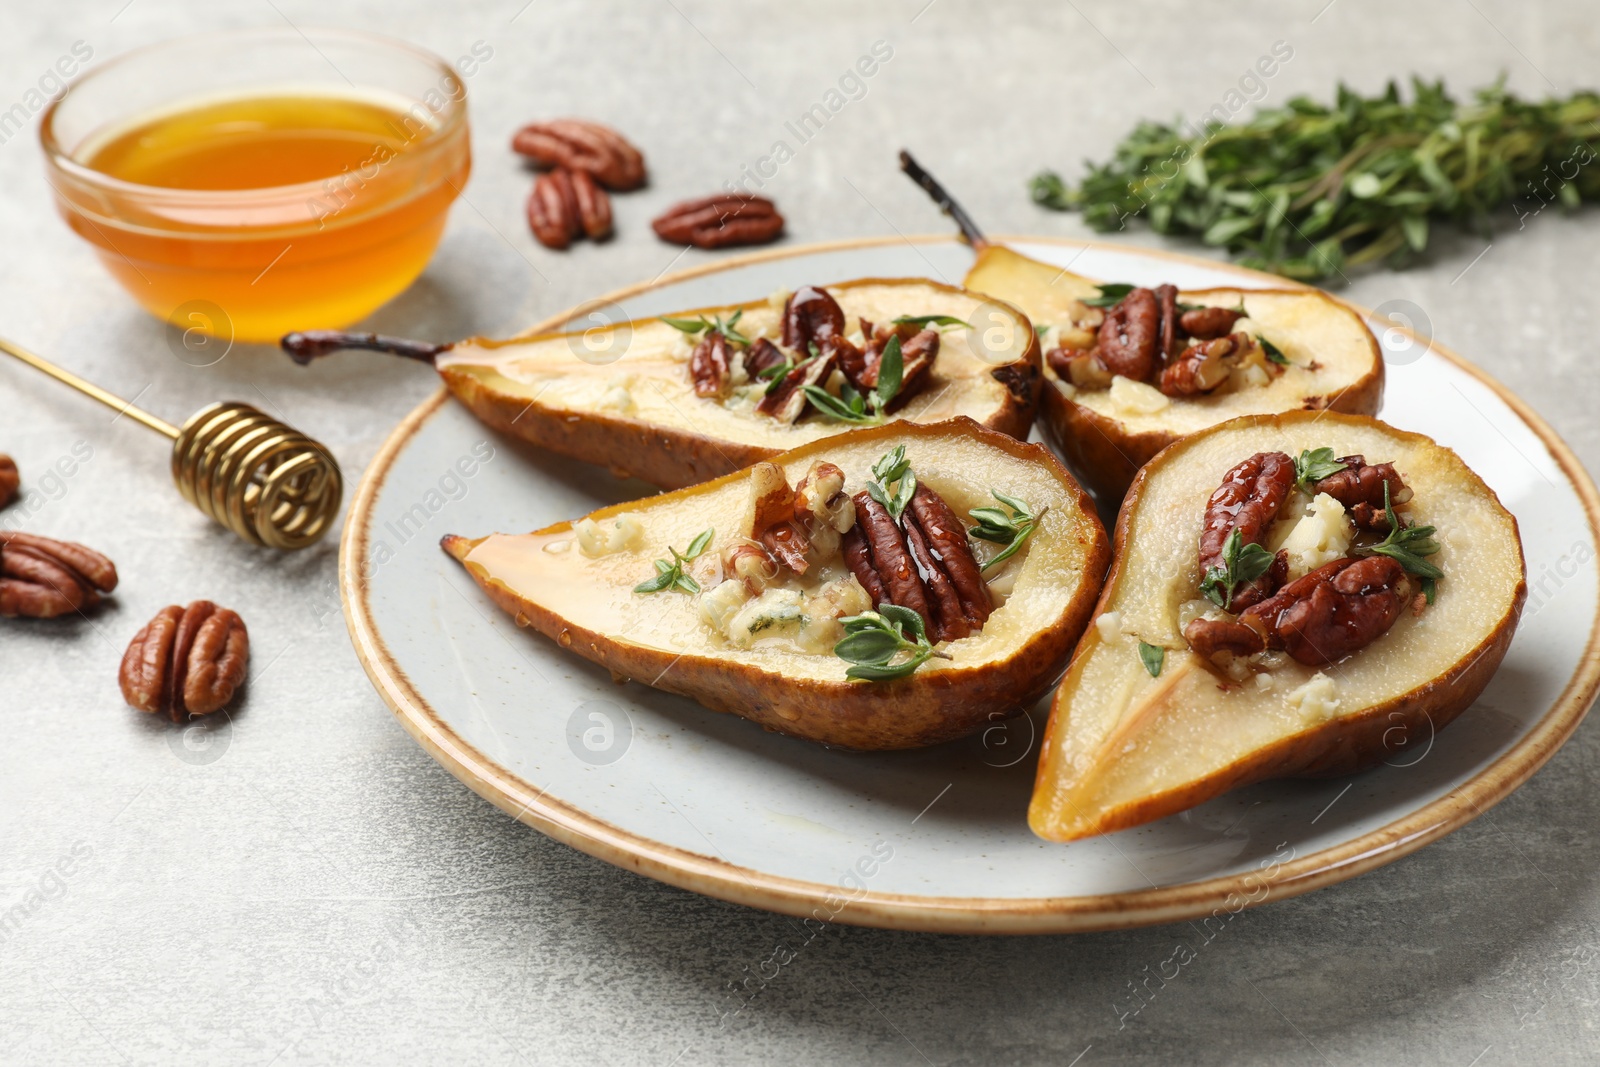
<point x="254" y="263"/>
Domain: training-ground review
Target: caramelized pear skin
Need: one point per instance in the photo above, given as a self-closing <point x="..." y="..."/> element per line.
<point x="1126" y="746"/>
<point x="589" y="606"/>
<point x="1334" y="363"/>
<point x="621" y="395"/>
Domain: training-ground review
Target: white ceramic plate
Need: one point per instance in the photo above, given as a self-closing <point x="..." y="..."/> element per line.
<point x="935" y="839"/>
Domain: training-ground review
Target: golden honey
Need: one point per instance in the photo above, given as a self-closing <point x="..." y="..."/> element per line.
<point x="251" y="216"/>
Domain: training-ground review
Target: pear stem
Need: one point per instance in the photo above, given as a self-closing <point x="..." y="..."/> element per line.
<point x="947" y="203"/>
<point x="304" y="346"/>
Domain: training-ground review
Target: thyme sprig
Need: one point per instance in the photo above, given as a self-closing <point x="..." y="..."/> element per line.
<point x="1311" y="190"/>
<point x="874" y="638"/>
<point x="696" y="326"/>
<point x="850" y="405"/>
<point x="1010" y="527"/>
<point x="1240" y="563"/>
<point x="669" y="573"/>
<point x="894" y="483"/>
<point x="1406" y="545"/>
<point x="1314" y="465"/>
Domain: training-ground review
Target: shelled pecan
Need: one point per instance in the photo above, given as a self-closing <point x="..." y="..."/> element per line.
<point x="565" y="204"/>
<point x="858" y="557"/>
<point x="581" y="145"/>
<point x="1335" y="610"/>
<point x="1167" y="305"/>
<point x="923" y="563"/>
<point x="773" y="523"/>
<point x="42" y="578"/>
<point x="787" y="402"/>
<point x="1201" y="367"/>
<point x="1207" y="324"/>
<point x="889" y="557"/>
<point x="708" y="365"/>
<point x="720" y="221"/>
<point x="9" y="479"/>
<point x="946" y="535"/>
<point x="1247" y="501"/>
<point x="185" y="661"/>
<point x="762" y="356"/>
<point x="918" y="349"/>
<point x="1359" y="487"/>
<point x="811" y="316"/>
<point x="1129" y="335"/>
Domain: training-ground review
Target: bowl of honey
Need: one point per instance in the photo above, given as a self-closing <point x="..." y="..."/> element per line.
<point x="250" y="183"/>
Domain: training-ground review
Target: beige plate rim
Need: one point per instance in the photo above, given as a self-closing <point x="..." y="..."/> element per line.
<point x="742" y="885"/>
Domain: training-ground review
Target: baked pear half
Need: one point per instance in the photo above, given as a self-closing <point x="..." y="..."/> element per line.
<point x="887" y="588"/>
<point x="1129" y="370"/>
<point x="1293" y="595"/>
<point x="682" y="398"/>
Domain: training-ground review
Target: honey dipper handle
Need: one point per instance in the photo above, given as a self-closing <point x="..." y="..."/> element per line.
<point x="110" y="400"/>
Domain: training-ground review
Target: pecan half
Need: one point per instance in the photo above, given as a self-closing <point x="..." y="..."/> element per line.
<point x="918" y="350"/>
<point x="9" y="479"/>
<point x="889" y="556"/>
<point x="1167" y="301"/>
<point x="720" y="221"/>
<point x="947" y="622"/>
<point x="946" y="536"/>
<point x="566" y="203"/>
<point x="41" y="578"/>
<point x="858" y="557"/>
<point x="1209" y="637"/>
<point x="580" y="145"/>
<point x="811" y="316"/>
<point x="788" y="401"/>
<point x="1129" y="335"/>
<point x="594" y="206"/>
<point x="1359" y="487"/>
<point x="708" y="365"/>
<point x="1248" y="501"/>
<point x="762" y="356"/>
<point x="923" y="563"/>
<point x="1207" y="324"/>
<point x="185" y="661"/>
<point x="1335" y="610"/>
<point x="553" y="210"/>
<point x="1201" y="367"/>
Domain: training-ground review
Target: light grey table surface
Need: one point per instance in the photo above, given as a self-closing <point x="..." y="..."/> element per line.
<point x="312" y="888"/>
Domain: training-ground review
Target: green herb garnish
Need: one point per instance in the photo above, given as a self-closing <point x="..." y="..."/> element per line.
<point x="941" y="321"/>
<point x="1010" y="530"/>
<point x="1111" y="295"/>
<point x="874" y="638"/>
<point x="1240" y="563"/>
<point x="1314" y="465"/>
<point x="1152" y="656"/>
<point x="1407" y="545"/>
<point x="850" y="405"/>
<point x="1311" y="190"/>
<point x="893" y="467"/>
<point x="1040" y="329"/>
<point x="1274" y="353"/>
<point x="669" y="574"/>
<point x="702" y="324"/>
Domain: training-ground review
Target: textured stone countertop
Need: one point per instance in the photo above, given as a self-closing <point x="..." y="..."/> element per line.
<point x="313" y="888"/>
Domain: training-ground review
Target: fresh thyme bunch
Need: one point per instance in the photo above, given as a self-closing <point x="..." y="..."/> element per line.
<point x="1309" y="191"/>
